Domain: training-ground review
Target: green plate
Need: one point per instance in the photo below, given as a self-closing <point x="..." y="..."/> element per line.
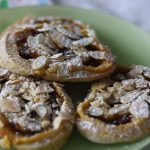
<point x="129" y="43"/>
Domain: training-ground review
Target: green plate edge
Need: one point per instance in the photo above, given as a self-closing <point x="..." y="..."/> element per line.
<point x="130" y="44"/>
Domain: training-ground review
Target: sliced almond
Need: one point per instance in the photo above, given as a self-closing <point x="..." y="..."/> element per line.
<point x="139" y="108"/>
<point x="39" y="63"/>
<point x="94" y="111"/>
<point x="83" y="41"/>
<point x="41" y="111"/>
<point x="9" y="104"/>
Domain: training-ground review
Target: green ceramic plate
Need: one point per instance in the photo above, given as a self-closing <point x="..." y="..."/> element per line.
<point x="129" y="43"/>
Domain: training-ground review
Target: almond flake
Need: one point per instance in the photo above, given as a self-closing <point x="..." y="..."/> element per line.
<point x="9" y="104"/>
<point x="139" y="108"/>
<point x="67" y="32"/>
<point x="94" y="111"/>
<point x="141" y="83"/>
<point x="83" y="41"/>
<point x="39" y="62"/>
<point x="56" y="55"/>
<point x="130" y="96"/>
<point x="117" y="109"/>
<point x="61" y="40"/>
<point x="42" y="111"/>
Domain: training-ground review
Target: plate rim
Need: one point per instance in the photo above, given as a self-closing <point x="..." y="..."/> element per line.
<point x="95" y="12"/>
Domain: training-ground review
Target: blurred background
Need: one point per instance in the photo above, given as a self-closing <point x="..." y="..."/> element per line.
<point x="135" y="11"/>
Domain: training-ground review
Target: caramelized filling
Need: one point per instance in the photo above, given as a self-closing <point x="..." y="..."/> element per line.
<point x="118" y="119"/>
<point x="92" y="47"/>
<point x="18" y="130"/>
<point x="115" y="120"/>
<point x="92" y="62"/>
<point x="21" y="39"/>
<point x="41" y="21"/>
<point x="25" y="53"/>
<point x="21" y="36"/>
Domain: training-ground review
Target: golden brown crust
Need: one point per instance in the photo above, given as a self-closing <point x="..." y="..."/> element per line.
<point x="54" y="143"/>
<point x="102" y="123"/>
<point x="97" y="131"/>
<point x="11" y="59"/>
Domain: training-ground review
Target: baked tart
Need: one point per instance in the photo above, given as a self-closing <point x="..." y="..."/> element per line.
<point x="56" y="49"/>
<point x="34" y="114"/>
<point x="117" y="109"/>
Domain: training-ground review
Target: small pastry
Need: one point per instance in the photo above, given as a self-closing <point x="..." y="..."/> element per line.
<point x="117" y="109"/>
<point x="34" y="114"/>
<point x="56" y="49"/>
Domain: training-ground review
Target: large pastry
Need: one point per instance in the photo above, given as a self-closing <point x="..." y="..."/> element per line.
<point x="34" y="114"/>
<point x="117" y="109"/>
<point x="56" y="49"/>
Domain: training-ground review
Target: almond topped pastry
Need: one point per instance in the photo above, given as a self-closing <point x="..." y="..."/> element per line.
<point x="57" y="49"/>
<point x="34" y="114"/>
<point x="117" y="109"/>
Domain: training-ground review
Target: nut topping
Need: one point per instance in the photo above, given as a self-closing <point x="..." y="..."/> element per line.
<point x="59" y="46"/>
<point x="61" y="40"/>
<point x="68" y="33"/>
<point x="39" y="63"/>
<point x="41" y="111"/>
<point x="130" y="96"/>
<point x="139" y="108"/>
<point x="118" y="109"/>
<point x="3" y="72"/>
<point x="123" y="95"/>
<point x="95" y="111"/>
<point x="29" y="104"/>
<point x="83" y="42"/>
<point x="9" y="104"/>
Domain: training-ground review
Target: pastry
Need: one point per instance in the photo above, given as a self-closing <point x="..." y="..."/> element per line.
<point x="117" y="109"/>
<point x="34" y="114"/>
<point x="56" y="49"/>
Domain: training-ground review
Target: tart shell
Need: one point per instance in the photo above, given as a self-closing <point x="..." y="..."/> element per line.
<point x="99" y="124"/>
<point x="50" y="139"/>
<point x="11" y="60"/>
<point x="97" y="131"/>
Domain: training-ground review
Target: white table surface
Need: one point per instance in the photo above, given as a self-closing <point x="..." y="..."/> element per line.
<point x="135" y="11"/>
